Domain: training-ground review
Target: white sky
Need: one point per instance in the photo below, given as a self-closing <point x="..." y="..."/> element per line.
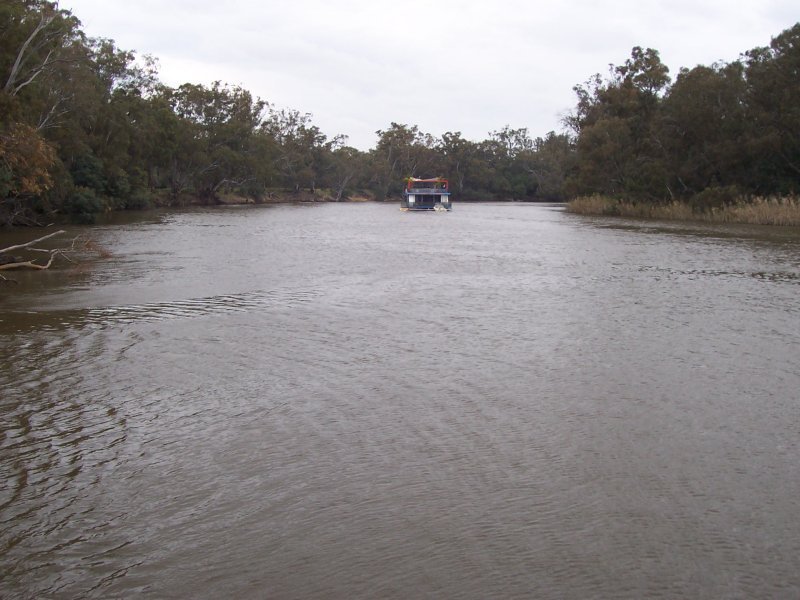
<point x="444" y="65"/>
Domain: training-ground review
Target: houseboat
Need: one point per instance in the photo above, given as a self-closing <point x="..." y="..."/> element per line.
<point x="426" y="194"/>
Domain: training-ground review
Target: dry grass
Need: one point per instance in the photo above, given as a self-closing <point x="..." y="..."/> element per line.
<point x="757" y="211"/>
<point x="763" y="211"/>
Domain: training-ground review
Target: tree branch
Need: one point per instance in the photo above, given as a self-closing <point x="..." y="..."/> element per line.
<point x="79" y="244"/>
<point x="238" y="182"/>
<point x="34" y="75"/>
<point x="29" y="264"/>
<point x="31" y="243"/>
<point x="43" y="23"/>
<point x="44" y="121"/>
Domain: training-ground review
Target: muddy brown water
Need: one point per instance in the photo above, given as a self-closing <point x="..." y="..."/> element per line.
<point x="348" y="401"/>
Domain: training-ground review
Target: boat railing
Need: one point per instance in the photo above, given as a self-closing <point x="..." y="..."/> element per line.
<point x="427" y="191"/>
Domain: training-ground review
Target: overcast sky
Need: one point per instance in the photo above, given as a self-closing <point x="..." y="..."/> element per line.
<point x="444" y="65"/>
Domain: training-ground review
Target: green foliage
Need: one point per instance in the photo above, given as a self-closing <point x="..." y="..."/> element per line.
<point x="87" y="127"/>
<point x="644" y="71"/>
<point x="87" y="171"/>
<point x="715" y="197"/>
<point x="402" y="151"/>
<point x="139" y="199"/>
<point x="83" y="205"/>
<point x="718" y="131"/>
<point x="703" y="127"/>
<point x="773" y="76"/>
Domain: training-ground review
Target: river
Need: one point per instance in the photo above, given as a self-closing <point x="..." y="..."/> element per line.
<point x="349" y="401"/>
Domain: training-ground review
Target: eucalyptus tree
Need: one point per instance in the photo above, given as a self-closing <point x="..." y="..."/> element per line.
<point x="513" y="159"/>
<point x="618" y="151"/>
<point x="773" y="102"/>
<point x="393" y="158"/>
<point x="347" y="171"/>
<point x="303" y="151"/>
<point x="215" y="133"/>
<point x="460" y="161"/>
<point x="552" y="160"/>
<point x="36" y="38"/>
<point x="38" y="41"/>
<point x="704" y="127"/>
<point x="403" y="151"/>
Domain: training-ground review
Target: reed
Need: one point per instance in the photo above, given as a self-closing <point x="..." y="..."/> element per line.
<point x="784" y="211"/>
<point x="764" y="211"/>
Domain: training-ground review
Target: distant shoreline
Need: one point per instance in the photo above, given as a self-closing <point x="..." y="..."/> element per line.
<point x="318" y="196"/>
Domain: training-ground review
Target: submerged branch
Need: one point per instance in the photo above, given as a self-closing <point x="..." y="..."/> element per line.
<point x="31" y="243"/>
<point x="79" y="244"/>
<point x="29" y="264"/>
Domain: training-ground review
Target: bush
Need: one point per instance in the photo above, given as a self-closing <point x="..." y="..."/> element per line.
<point x="118" y="186"/>
<point x="139" y="200"/>
<point x="87" y="172"/>
<point x="83" y="205"/>
<point x="714" y="198"/>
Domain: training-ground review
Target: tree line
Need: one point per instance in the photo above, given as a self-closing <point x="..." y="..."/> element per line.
<point x="88" y="127"/>
<point x="719" y="133"/>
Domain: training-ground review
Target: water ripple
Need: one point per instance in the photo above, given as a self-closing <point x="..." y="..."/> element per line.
<point x="503" y="403"/>
<point x="156" y="311"/>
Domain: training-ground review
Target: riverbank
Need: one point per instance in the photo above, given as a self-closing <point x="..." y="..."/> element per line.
<point x="163" y="199"/>
<point x="758" y="211"/>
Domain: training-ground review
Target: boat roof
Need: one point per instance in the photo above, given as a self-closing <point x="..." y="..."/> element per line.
<point x="433" y="179"/>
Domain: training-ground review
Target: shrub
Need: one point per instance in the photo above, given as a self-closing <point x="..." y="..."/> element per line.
<point x="87" y="172"/>
<point x="83" y="205"/>
<point x="714" y="198"/>
<point x="118" y="186"/>
<point x="139" y="199"/>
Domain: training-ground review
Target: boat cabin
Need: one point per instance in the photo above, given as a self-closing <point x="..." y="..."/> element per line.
<point x="426" y="194"/>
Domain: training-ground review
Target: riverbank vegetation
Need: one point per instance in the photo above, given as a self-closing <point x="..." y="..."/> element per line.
<point x="722" y="142"/>
<point x="754" y="211"/>
<point x="88" y="127"/>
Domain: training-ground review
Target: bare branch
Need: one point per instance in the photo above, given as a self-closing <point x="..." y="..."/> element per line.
<point x="53" y="114"/>
<point x="31" y="243"/>
<point x="80" y="244"/>
<point x="29" y="264"/>
<point x="238" y="182"/>
<point x="34" y="75"/>
<point x="43" y="23"/>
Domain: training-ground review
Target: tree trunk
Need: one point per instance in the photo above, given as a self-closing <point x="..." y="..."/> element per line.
<point x="11" y="86"/>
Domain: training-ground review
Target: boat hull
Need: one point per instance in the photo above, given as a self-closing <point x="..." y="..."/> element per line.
<point x="438" y="202"/>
